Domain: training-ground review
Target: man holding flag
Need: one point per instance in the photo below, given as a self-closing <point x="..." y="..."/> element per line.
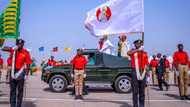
<point x="139" y="63"/>
<point x="20" y="67"/>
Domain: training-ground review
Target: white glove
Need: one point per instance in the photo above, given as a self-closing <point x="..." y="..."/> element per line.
<point x="26" y="77"/>
<point x="85" y="75"/>
<point x="72" y="75"/>
<point x="148" y="80"/>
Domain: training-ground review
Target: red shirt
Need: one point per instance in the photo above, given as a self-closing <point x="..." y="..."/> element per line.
<point x="9" y="62"/>
<point x="180" y="58"/>
<point x="166" y="63"/>
<point x="79" y="62"/>
<point x="154" y="63"/>
<point x="51" y="62"/>
<point x="22" y="58"/>
<point x="142" y="59"/>
<point x="189" y="64"/>
<point x="1" y="61"/>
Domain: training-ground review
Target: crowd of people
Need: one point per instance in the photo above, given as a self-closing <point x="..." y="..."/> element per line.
<point x="158" y="69"/>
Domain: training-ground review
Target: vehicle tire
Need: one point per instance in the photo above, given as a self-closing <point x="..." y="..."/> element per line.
<point x="58" y="83"/>
<point x="123" y="84"/>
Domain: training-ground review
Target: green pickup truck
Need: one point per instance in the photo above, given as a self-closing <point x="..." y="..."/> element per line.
<point x="104" y="68"/>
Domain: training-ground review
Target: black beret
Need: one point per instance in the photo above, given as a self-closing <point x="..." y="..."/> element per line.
<point x="19" y="41"/>
<point x="138" y="41"/>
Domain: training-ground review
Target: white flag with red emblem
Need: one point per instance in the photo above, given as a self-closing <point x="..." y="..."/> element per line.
<point x="115" y="17"/>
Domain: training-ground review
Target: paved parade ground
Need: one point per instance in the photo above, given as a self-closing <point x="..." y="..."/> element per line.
<point x="38" y="94"/>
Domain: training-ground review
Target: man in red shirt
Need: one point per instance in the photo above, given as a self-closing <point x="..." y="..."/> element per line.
<point x="1" y="65"/>
<point x="139" y="62"/>
<point x="180" y="62"/>
<point x="166" y="69"/>
<point x="51" y="61"/>
<point x="79" y="63"/>
<point x="19" y="68"/>
<point x="154" y="67"/>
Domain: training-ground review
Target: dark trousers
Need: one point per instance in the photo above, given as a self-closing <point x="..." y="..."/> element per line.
<point x="16" y="92"/>
<point x="161" y="81"/>
<point x="138" y="88"/>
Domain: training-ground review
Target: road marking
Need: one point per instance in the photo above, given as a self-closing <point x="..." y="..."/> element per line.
<point x="88" y="100"/>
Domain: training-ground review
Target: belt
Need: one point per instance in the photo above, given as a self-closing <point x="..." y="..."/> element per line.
<point x="79" y="68"/>
<point x="183" y="64"/>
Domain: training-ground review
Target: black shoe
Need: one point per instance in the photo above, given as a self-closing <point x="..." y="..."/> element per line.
<point x="161" y="89"/>
<point x="76" y="97"/>
<point x="80" y="97"/>
<point x="167" y="88"/>
<point x="186" y="97"/>
<point x="182" y="98"/>
<point x="85" y="93"/>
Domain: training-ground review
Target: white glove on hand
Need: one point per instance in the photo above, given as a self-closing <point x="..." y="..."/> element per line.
<point x="72" y="75"/>
<point x="148" y="80"/>
<point x="84" y="75"/>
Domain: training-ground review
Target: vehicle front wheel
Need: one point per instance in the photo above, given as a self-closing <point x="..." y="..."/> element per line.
<point x="123" y="84"/>
<point x="58" y="83"/>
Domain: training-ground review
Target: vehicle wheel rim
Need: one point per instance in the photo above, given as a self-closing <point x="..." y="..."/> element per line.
<point x="58" y="84"/>
<point x="124" y="85"/>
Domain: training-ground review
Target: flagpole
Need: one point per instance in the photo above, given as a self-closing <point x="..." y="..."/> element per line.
<point x="143" y="37"/>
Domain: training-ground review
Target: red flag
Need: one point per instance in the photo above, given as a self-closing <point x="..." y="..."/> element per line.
<point x="55" y="49"/>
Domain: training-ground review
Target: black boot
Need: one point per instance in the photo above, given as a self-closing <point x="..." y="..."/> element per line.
<point x="186" y="97"/>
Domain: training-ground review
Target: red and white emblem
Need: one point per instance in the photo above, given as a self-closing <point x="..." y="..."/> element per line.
<point x="103" y="14"/>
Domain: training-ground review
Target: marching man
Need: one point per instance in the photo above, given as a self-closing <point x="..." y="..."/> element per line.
<point x="139" y="63"/>
<point x="20" y="67"/>
<point x="181" y="60"/>
<point x="154" y="68"/>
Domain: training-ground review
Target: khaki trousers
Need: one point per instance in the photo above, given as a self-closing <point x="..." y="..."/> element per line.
<point x="78" y="81"/>
<point x="183" y="79"/>
<point x="166" y="75"/>
<point x="154" y="77"/>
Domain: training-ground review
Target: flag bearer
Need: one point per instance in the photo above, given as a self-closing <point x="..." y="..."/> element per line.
<point x="20" y="67"/>
<point x="139" y="63"/>
<point x="181" y="59"/>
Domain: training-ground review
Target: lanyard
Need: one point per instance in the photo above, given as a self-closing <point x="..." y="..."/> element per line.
<point x="139" y="76"/>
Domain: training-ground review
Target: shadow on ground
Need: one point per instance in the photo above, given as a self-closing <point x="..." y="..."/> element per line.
<point x="155" y="88"/>
<point x="121" y="103"/>
<point x="173" y="96"/>
<point x="4" y="102"/>
<point x="94" y="90"/>
<point x="28" y="104"/>
<point x="1" y="94"/>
